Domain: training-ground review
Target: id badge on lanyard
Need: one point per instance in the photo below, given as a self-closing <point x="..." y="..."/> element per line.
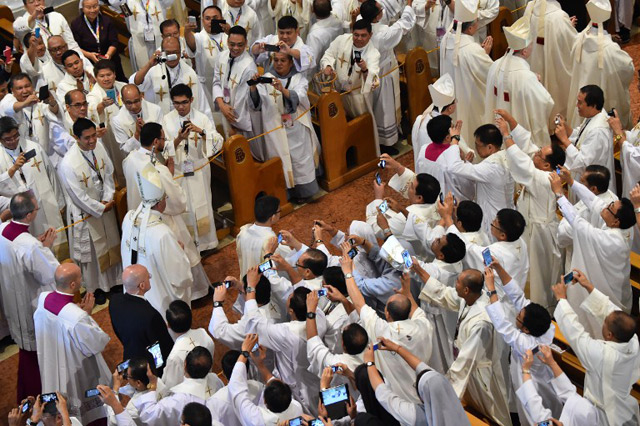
<point x="287" y="120"/>
<point x="226" y="93"/>
<point x="148" y="32"/>
<point x="187" y="167"/>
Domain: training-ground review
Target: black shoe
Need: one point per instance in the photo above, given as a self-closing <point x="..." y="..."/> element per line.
<point x="100" y="296"/>
<point x="625" y="35"/>
<point x="384" y="149"/>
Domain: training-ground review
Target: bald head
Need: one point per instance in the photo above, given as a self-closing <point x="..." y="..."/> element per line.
<point x="68" y="278"/>
<point x="473" y="280"/>
<point x="621" y="327"/>
<point x="55" y="41"/>
<point x="398" y="307"/>
<point x="130" y="90"/>
<point x="134" y="279"/>
<point x="170" y="43"/>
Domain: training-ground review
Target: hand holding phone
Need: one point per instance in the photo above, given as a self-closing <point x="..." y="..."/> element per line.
<point x="486" y="256"/>
<point x="322" y="292"/>
<point x="568" y="278"/>
<point x="383" y="207"/>
<point x="29" y="154"/>
<point x="155" y="351"/>
<point x="7" y="54"/>
<point x="263" y="267"/>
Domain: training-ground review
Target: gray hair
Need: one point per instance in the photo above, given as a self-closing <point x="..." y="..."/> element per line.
<point x="22" y="204"/>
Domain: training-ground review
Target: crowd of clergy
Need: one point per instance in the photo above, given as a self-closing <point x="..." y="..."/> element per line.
<point x="439" y="298"/>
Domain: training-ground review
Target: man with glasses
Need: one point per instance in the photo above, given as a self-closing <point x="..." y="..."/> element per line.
<point x="134" y="113"/>
<point x="601" y="252"/>
<point x="20" y="171"/>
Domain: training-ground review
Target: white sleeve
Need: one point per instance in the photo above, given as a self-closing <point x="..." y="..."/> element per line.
<point x="532" y="402"/>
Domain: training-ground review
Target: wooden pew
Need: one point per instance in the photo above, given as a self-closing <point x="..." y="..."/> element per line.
<point x="248" y="178"/>
<point x="348" y="148"/>
<point x="475" y="421"/>
<point x="6" y="23"/>
<point x="121" y="204"/>
<point x="500" y="45"/>
<point x="416" y="77"/>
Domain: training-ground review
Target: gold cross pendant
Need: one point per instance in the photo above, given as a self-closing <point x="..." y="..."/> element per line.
<point x="36" y="164"/>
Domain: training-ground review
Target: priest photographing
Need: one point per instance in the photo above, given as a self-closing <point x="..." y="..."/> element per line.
<point x="146" y="240"/>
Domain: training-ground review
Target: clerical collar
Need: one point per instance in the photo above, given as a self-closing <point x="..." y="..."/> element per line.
<point x="141" y="296"/>
<point x="291" y="73"/>
<point x="19" y="223"/>
<point x="64" y="294"/>
<point x="13" y="152"/>
<point x="145" y="150"/>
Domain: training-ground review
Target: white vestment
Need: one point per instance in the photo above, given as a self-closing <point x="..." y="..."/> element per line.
<point x="320" y="36"/>
<point x="123" y="124"/>
<point x="208" y="48"/>
<point x="630" y="162"/>
<point x="302" y="65"/>
<point x="54" y="23"/>
<point x="221" y="404"/>
<point x="174" y="366"/>
<point x="69" y="83"/>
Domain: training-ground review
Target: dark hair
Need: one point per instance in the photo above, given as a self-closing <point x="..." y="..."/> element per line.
<point x="399" y="308"/>
<point x="104" y="64"/>
<point x="625" y="214"/>
<point x="465" y="25"/>
<point x="354" y="338"/>
<point x="81" y="125"/>
<point x="322" y="8"/>
<point x="455" y="250"/>
<point x="181" y="90"/>
<point x="593" y="96"/>
<point x="138" y="369"/>
<point x="470" y="214"/>
<point x="22" y="204"/>
<point x="557" y="156"/>
<point x="369" y="10"/>
<point x="8" y="124"/>
<point x="212" y="7"/>
<point x="598" y="176"/>
<point x="427" y="187"/>
<point x="265" y="207"/>
<point x="263" y="289"/>
<point x="149" y="132"/>
<point x="26" y="39"/>
<point x="228" y="361"/>
<point x="196" y="414"/>
<point x="315" y="260"/>
<point x="198" y="362"/>
<point x="512" y="223"/>
<point x="237" y="29"/>
<point x="287" y="23"/>
<point x="489" y="134"/>
<point x="438" y="128"/>
<point x="168" y="23"/>
<point x="179" y="316"/>
<point x="334" y="277"/>
<point x="362" y="24"/>
<point x="368" y="396"/>
<point x="622" y="326"/>
<point x="277" y="396"/>
<point x="67" y="96"/>
<point x="298" y="302"/>
<point x="68" y="54"/>
<point x="474" y="281"/>
<point x="536" y="319"/>
<point x="18" y="77"/>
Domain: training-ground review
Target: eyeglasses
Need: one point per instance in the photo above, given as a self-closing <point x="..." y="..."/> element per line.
<point x="79" y="105"/>
<point x="59" y="49"/>
<point x="181" y="103"/>
<point x="611" y="211"/>
<point x="498" y="228"/>
<point x="301" y="266"/>
<point x="11" y="138"/>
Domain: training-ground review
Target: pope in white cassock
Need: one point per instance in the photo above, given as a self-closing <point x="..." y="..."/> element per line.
<point x="87" y="175"/>
<point x="596" y="59"/>
<point x="149" y="242"/>
<point x="70" y="344"/>
<point x="512" y="86"/>
<point x="193" y="138"/>
<point x="468" y="64"/>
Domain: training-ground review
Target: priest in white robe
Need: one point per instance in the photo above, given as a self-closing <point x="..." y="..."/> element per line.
<point x="299" y="10"/>
<point x="326" y="28"/>
<point x="70" y="344"/>
<point x="86" y="173"/>
<point x="149" y="242"/>
<point x="237" y="12"/>
<point x="27" y="266"/>
<point x="75" y="75"/>
<point x="192" y="139"/>
<point x="134" y="113"/>
<point x="513" y="87"/>
<point x="50" y="24"/>
<point x="17" y="174"/>
<point x="285" y="103"/>
<point x="597" y="59"/>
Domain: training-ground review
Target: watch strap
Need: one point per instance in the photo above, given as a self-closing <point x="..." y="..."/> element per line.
<point x="217" y="304"/>
<point x="348" y="275"/>
<point x="250" y="289"/>
<point x="370" y="364"/>
<point x="245" y="354"/>
<point x="311" y="315"/>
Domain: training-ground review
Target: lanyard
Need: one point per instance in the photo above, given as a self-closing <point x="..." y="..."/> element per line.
<point x="30" y="120"/>
<point x="94" y="165"/>
<point x="231" y="61"/>
<point x="219" y="45"/>
<point x="171" y="83"/>
<point x="146" y="9"/>
<point x="14" y="162"/>
<point x="353" y="61"/>
<point x="95" y="33"/>
<point x="237" y="18"/>
<point x="44" y="26"/>
<point x="586" y="123"/>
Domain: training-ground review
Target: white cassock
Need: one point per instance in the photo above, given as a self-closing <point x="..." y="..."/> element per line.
<point x="296" y="144"/>
<point x="592" y="143"/>
<point x="413" y="334"/>
<point x="230" y="83"/>
<point x="475" y="374"/>
<point x="431" y="25"/>
<point x="208" y="48"/>
<point x="54" y="23"/>
<point x="386" y="100"/>
<point x="320" y="357"/>
<point x="340" y="57"/>
<point x="611" y="367"/>
<point x="251" y="245"/>
<point x="163" y="257"/>
<point x="172" y="215"/>
<point x="550" y="57"/>
<point x="221" y="404"/>
<point x="245" y="17"/>
<point x="577" y="410"/>
<point x="52" y="73"/>
<point x="512" y="86"/>
<point x="630" y="162"/>
<point x="614" y="75"/>
<point x="320" y="36"/>
<point x="39" y="176"/>
<point x="123" y="125"/>
<point x="34" y="122"/>
<point x="95" y="242"/>
<point x="267" y="22"/>
<point x="144" y="26"/>
<point x="130" y="408"/>
<point x="94" y="97"/>
<point x="26" y="270"/>
<point x="299" y="10"/>
<point x="494" y="184"/>
<point x="601" y="253"/>
<point x="521" y="342"/>
<point x="32" y="69"/>
<point x="537" y="203"/>
<point x="197" y="150"/>
<point x="232" y="334"/>
<point x="160" y="79"/>
<point x="174" y="366"/>
<point x="69" y="83"/>
<point x="470" y="79"/>
<point x="70" y="346"/>
<point x="302" y="65"/>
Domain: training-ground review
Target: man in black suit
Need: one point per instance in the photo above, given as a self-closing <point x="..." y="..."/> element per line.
<point x="136" y="323"/>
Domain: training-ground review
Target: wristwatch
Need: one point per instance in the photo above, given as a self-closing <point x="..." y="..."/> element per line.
<point x="203" y="133"/>
<point x="491" y="293"/>
<point x="217" y="304"/>
<point x="245" y="354"/>
<point x="370" y="363"/>
<point x="348" y="275"/>
<point x="504" y="138"/>
<point x="311" y="315"/>
<point x="617" y="138"/>
<point x="30" y="422"/>
<point x="319" y="242"/>
<point x="636" y="210"/>
<point x="250" y="289"/>
<point x="456" y="137"/>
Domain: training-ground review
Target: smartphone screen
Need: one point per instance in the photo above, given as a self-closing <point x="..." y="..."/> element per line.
<point x="155" y="351"/>
<point x="265" y="266"/>
<point x="378" y="178"/>
<point x="90" y="393"/>
<point x="322" y="292"/>
<point x="384" y="206"/>
<point x="535" y="350"/>
<point x="441" y="198"/>
<point x="48" y="397"/>
<point x="255" y="347"/>
<point x="382" y="164"/>
<point x="26" y="406"/>
<point x="123" y="366"/>
<point x="335" y="395"/>
<point x="353" y="252"/>
<point x="316" y="422"/>
<point x="406" y="257"/>
<point x="486" y="255"/>
<point x="279" y="238"/>
<point x="568" y="278"/>
<point x="558" y="171"/>
<point x="336" y="368"/>
<point x="376" y="346"/>
<point x="30" y="154"/>
<point x="296" y="422"/>
<point x="227" y="284"/>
